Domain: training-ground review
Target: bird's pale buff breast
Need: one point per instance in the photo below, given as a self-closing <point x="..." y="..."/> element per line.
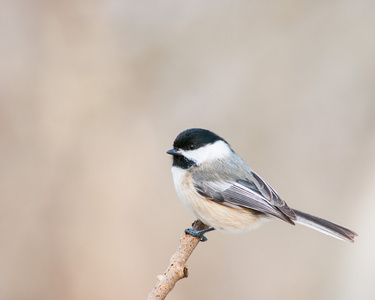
<point x="216" y="215"/>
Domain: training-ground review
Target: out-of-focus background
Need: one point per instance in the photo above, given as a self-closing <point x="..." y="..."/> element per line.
<point x="92" y="94"/>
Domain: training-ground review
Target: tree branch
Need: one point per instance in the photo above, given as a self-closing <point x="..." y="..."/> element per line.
<point x="177" y="268"/>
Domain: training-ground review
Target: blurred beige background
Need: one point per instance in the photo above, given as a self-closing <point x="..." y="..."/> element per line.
<point x="92" y="94"/>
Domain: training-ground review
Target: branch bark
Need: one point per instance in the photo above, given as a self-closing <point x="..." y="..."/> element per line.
<point x="177" y="268"/>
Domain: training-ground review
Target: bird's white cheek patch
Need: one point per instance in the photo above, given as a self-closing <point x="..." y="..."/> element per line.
<point x="208" y="153"/>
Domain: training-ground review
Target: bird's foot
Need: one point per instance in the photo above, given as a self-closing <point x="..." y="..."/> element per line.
<point x="198" y="233"/>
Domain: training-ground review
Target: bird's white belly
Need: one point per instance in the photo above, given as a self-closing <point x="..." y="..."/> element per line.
<point x="216" y="215"/>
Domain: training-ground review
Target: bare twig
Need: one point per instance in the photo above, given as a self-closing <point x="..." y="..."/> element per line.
<point x="177" y="268"/>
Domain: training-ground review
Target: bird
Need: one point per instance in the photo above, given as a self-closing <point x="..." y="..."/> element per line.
<point x="222" y="191"/>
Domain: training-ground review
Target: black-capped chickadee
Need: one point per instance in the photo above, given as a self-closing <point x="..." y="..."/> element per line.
<point x="221" y="190"/>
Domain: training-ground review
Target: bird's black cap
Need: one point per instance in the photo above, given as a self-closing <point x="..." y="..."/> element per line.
<point x="195" y="138"/>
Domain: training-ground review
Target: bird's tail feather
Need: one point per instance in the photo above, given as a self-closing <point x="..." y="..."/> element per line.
<point x="324" y="226"/>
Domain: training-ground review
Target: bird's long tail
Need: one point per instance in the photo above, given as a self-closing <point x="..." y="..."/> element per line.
<point x="325" y="226"/>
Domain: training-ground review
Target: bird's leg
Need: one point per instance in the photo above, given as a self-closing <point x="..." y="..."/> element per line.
<point x="198" y="233"/>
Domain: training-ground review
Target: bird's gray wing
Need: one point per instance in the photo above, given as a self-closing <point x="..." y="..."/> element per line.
<point x="252" y="192"/>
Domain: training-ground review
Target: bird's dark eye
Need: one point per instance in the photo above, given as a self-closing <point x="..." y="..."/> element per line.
<point x="192" y="147"/>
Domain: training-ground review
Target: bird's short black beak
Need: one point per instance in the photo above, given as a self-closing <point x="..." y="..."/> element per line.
<point x="174" y="152"/>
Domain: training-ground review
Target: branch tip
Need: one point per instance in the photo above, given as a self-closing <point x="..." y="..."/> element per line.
<point x="177" y="268"/>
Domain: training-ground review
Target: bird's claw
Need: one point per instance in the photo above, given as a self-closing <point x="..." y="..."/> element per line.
<point x="197" y="233"/>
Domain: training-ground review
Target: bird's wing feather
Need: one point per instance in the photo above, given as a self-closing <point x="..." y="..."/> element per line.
<point x="253" y="193"/>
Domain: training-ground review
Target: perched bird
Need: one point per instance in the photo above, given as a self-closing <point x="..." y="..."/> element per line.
<point x="222" y="191"/>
